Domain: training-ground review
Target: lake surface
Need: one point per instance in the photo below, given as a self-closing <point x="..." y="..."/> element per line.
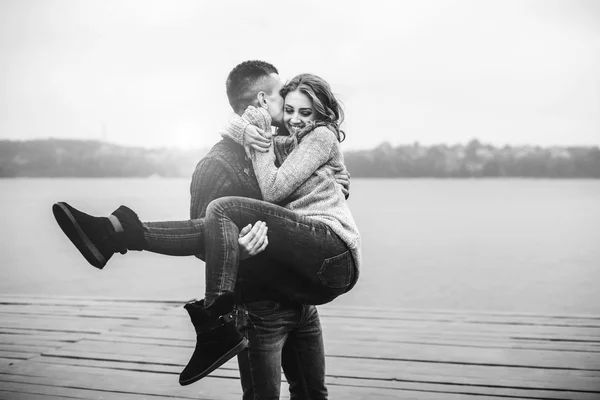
<point x="501" y="245"/>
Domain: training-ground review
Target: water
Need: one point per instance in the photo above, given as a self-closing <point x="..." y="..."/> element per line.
<point x="500" y="245"/>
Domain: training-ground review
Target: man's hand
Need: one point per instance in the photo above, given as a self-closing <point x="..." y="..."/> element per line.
<point x="343" y="178"/>
<point x="257" y="139"/>
<point x="253" y="239"/>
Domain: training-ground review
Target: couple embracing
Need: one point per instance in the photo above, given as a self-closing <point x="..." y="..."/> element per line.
<point x="269" y="217"/>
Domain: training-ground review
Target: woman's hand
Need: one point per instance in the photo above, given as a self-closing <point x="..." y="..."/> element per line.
<point x="257" y="139"/>
<point x="253" y="239"/>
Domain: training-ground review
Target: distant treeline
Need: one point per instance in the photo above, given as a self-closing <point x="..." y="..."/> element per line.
<point x="82" y="158"/>
<point x="474" y="160"/>
<point x="78" y="158"/>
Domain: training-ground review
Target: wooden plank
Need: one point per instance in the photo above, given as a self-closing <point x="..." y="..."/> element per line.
<point x="16" y="355"/>
<point x="395" y="327"/>
<point x="229" y="370"/>
<point x="500" y="343"/>
<point x="491" y="318"/>
<point x="467" y="355"/>
<point x="22" y="348"/>
<point x="56" y="335"/>
<point x="33" y="341"/>
<point x="95" y="382"/>
<point x="367" y="310"/>
<point x="29" y="396"/>
<point x="466" y="390"/>
<point x="19" y="390"/>
<point x="75" y="309"/>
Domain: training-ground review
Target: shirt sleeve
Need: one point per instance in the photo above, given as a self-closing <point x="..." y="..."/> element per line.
<point x="209" y="182"/>
<point x="313" y="151"/>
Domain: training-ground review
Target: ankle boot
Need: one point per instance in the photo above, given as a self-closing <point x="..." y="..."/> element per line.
<point x="217" y="337"/>
<point x="96" y="237"/>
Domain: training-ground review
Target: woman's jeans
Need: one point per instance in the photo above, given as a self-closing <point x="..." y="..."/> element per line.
<point x="175" y="238"/>
<point x="314" y="265"/>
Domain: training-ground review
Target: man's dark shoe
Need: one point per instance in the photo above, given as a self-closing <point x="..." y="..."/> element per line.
<point x="95" y="237"/>
<point x="217" y="337"/>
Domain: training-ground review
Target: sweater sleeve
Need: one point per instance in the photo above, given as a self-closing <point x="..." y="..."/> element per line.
<point x="312" y="152"/>
<point x="237" y="124"/>
<point x="235" y="129"/>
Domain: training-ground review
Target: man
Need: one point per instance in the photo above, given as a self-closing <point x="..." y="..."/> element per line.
<point x="281" y="333"/>
<point x="275" y="331"/>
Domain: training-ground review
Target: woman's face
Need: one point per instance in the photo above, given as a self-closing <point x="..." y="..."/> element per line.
<point x="298" y="110"/>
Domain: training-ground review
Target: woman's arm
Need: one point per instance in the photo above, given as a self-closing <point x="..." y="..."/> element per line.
<point x="235" y="129"/>
<point x="313" y="151"/>
<point x="238" y="128"/>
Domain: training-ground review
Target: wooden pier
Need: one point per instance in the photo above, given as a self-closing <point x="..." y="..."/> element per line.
<point x="83" y="348"/>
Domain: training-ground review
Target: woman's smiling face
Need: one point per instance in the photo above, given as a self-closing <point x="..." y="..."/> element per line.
<point x="298" y="110"/>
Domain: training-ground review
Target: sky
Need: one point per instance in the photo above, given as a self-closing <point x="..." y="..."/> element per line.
<point x="152" y="73"/>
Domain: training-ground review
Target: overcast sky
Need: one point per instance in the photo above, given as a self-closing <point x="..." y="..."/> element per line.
<point x="152" y="73"/>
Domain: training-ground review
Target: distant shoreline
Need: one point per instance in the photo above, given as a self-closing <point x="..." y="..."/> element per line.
<point x="94" y="159"/>
<point x="414" y="178"/>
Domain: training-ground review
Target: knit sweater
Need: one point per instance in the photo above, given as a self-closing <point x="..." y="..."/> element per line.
<point x="222" y="172"/>
<point x="304" y="181"/>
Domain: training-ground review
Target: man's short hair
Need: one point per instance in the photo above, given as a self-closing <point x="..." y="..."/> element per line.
<point x="245" y="81"/>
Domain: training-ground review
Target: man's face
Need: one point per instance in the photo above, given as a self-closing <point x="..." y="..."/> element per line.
<point x="274" y="100"/>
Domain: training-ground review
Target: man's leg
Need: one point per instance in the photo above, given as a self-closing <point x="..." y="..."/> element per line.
<point x="266" y="324"/>
<point x="303" y="358"/>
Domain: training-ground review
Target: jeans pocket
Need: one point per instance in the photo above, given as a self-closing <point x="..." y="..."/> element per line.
<point x="336" y="272"/>
<point x="262" y="307"/>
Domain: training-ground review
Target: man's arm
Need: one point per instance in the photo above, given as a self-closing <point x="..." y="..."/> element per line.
<point x="210" y="181"/>
<point x="343" y="178"/>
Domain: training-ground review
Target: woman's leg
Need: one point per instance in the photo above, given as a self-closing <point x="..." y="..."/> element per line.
<point x="313" y="264"/>
<point x="98" y="238"/>
<point x="175" y="238"/>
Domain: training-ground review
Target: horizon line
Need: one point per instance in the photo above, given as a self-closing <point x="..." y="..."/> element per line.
<point x="383" y="143"/>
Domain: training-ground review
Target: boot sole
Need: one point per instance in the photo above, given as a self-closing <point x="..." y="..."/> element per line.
<point x="226" y="357"/>
<point x="71" y="228"/>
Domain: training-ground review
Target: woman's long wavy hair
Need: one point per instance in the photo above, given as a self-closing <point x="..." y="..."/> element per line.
<point x="328" y="109"/>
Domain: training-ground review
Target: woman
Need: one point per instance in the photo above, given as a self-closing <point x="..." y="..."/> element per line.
<point x="314" y="234"/>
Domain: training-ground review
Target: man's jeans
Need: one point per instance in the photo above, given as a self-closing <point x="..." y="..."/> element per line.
<point x="314" y="265"/>
<point x="282" y="334"/>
